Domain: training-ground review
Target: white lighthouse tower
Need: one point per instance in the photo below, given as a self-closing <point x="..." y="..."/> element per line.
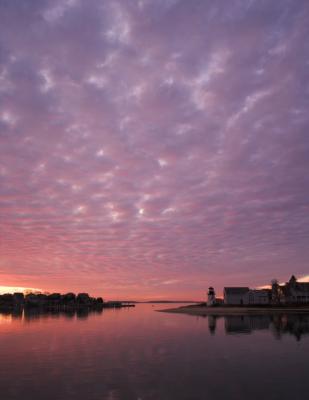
<point x="211" y="300"/>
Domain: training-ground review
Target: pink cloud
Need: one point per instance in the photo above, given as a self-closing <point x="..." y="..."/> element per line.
<point x="149" y="144"/>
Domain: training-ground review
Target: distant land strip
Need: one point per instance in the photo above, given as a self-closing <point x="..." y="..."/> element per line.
<point x="68" y="301"/>
<point x="203" y="310"/>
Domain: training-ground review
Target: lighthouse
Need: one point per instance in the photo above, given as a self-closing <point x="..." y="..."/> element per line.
<point x="211" y="300"/>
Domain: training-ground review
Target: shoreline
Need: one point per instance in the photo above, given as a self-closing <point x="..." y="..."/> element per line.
<point x="63" y="307"/>
<point x="199" y="310"/>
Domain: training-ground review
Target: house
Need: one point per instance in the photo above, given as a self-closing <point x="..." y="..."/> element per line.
<point x="292" y="292"/>
<point x="246" y="296"/>
<point x="258" y="297"/>
<point x="235" y="295"/>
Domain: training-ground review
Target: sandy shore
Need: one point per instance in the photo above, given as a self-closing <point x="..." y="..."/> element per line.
<point x="204" y="311"/>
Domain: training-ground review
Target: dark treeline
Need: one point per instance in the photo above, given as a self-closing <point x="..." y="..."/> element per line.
<point x="54" y="300"/>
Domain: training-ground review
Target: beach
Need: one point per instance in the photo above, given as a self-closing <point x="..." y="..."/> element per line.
<point x="202" y="310"/>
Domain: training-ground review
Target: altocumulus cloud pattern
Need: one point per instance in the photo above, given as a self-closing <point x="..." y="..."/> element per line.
<point x="147" y="147"/>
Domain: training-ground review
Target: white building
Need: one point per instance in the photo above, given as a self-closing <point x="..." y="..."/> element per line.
<point x="235" y="295"/>
<point x="257" y="297"/>
<point x="292" y="292"/>
<point x="245" y="296"/>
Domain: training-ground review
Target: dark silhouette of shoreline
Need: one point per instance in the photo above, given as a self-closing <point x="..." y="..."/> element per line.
<point x="221" y="309"/>
<point x="56" y="301"/>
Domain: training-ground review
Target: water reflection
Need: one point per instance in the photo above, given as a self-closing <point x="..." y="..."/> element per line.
<point x="137" y="353"/>
<point x="35" y="314"/>
<point x="296" y="325"/>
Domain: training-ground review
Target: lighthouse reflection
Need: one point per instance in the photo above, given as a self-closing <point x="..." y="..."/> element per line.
<point x="279" y="325"/>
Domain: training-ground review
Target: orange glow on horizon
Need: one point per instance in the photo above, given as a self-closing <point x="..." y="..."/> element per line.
<point x="15" y="289"/>
<point x="302" y="279"/>
<point x="129" y="295"/>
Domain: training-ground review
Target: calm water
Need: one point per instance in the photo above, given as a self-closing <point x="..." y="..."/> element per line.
<point x="140" y="354"/>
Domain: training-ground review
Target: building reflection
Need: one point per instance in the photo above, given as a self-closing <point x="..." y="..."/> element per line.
<point x="296" y="325"/>
<point x="246" y="323"/>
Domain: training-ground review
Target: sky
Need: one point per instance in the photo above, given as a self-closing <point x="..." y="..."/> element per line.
<point x="153" y="148"/>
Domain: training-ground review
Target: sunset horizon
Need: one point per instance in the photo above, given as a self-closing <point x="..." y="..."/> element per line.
<point x="194" y="297"/>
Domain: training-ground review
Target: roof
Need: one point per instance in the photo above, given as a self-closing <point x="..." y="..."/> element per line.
<point x="302" y="286"/>
<point x="236" y="290"/>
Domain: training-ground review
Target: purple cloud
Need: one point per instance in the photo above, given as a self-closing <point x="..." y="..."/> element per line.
<point x="150" y="148"/>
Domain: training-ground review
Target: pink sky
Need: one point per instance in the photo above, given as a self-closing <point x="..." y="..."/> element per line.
<point x="149" y="149"/>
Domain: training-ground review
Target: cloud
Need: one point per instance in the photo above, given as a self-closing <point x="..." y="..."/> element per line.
<point x="195" y="114"/>
<point x="304" y="279"/>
